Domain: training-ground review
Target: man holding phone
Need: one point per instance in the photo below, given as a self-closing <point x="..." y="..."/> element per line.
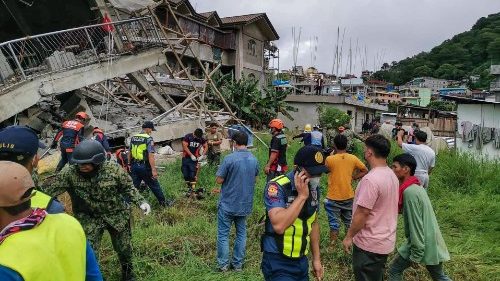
<point x="292" y="228"/>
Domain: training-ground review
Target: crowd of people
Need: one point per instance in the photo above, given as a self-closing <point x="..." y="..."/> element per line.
<point x="103" y="191"/>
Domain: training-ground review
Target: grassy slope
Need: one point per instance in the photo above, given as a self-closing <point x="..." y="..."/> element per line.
<point x="180" y="243"/>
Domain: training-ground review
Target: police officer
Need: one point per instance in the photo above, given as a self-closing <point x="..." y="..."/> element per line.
<point x="276" y="165"/>
<point x="35" y="245"/>
<point x="194" y="149"/>
<point x="20" y="144"/>
<point x="306" y="135"/>
<point x="70" y="135"/>
<point x="291" y="229"/>
<point x="317" y="137"/>
<point x="99" y="190"/>
<point x="98" y="135"/>
<point x="142" y="162"/>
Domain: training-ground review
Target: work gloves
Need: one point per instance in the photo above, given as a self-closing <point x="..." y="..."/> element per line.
<point x="194" y="158"/>
<point x="145" y="208"/>
<point x="201" y="158"/>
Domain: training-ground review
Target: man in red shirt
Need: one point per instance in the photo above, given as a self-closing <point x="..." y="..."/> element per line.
<point x="194" y="149"/>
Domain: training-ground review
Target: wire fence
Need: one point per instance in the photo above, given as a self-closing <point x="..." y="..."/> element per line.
<point x="33" y="56"/>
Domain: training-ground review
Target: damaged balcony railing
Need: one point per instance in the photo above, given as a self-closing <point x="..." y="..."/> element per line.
<point x="34" y="56"/>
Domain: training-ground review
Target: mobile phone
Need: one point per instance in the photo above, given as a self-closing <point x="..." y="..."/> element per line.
<point x="298" y="169"/>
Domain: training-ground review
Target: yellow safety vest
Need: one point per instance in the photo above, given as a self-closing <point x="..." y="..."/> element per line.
<point x="139" y="146"/>
<point x="40" y="200"/>
<point x="294" y="242"/>
<point x="54" y="250"/>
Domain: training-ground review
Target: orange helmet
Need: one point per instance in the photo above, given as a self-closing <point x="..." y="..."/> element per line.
<point x="81" y="115"/>
<point x="277" y="124"/>
<point x="341" y="129"/>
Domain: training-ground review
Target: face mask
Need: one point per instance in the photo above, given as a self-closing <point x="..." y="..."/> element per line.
<point x="314" y="182"/>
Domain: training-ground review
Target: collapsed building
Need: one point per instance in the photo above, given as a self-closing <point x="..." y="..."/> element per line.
<point x="129" y="61"/>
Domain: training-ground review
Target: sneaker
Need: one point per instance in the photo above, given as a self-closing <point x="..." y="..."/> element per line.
<point x="223" y="269"/>
<point x="236" y="268"/>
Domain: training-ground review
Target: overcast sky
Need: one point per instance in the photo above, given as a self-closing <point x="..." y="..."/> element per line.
<point x="390" y="29"/>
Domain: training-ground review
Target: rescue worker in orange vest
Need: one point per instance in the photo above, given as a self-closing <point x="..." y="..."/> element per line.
<point x="277" y="150"/>
<point x="98" y="135"/>
<point x="122" y="157"/>
<point x="70" y="135"/>
<point x="35" y="245"/>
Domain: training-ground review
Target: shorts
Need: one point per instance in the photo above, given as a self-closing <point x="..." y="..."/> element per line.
<point x="336" y="210"/>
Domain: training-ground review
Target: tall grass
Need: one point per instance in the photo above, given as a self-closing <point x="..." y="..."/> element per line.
<point x="179" y="243"/>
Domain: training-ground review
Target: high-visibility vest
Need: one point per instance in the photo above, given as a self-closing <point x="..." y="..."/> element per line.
<point x="294" y="242"/>
<point x="139" y="147"/>
<point x="40" y="200"/>
<point x="53" y="250"/>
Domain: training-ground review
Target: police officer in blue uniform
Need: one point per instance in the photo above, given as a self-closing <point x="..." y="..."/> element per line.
<point x="292" y="228"/>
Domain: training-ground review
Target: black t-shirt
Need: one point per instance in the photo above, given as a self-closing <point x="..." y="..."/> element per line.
<point x="279" y="145"/>
<point x="194" y="144"/>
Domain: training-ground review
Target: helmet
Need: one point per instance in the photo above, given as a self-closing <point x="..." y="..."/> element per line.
<point x="16" y="184"/>
<point x="307" y="128"/>
<point x="88" y="152"/>
<point x="277" y="124"/>
<point x="316" y="126"/>
<point x="341" y="129"/>
<point x="82" y="115"/>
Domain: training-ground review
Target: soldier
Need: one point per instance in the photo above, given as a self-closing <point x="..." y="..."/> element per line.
<point x="99" y="190"/>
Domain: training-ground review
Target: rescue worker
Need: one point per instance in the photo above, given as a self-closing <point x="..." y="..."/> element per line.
<point x="214" y="139"/>
<point x="35" y="245"/>
<point x="98" y="135"/>
<point x="142" y="162"/>
<point x="305" y="136"/>
<point x="317" y="138"/>
<point x="194" y="147"/>
<point x="99" y="190"/>
<point x="70" y="135"/>
<point x="291" y="227"/>
<point x="20" y="144"/>
<point x="276" y="165"/>
<point x="122" y="157"/>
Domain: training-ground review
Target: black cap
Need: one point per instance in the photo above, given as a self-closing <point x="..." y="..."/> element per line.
<point x="148" y="125"/>
<point x="311" y="159"/>
<point x="19" y="139"/>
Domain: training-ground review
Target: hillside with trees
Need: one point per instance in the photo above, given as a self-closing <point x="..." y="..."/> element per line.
<point x="466" y="54"/>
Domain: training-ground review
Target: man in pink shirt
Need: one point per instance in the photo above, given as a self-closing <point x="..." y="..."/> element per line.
<point x="375" y="213"/>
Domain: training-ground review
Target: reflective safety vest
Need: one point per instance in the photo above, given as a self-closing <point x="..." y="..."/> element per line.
<point x="53" y="250"/>
<point x="139" y="147"/>
<point x="294" y="242"/>
<point x="316" y="137"/>
<point x="40" y="200"/>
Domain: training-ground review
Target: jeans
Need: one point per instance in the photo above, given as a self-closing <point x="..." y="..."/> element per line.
<point x="224" y="222"/>
<point x="367" y="266"/>
<point x="399" y="264"/>
<point x="142" y="172"/>
<point x="65" y="158"/>
<point x="337" y="210"/>
<point x="277" y="267"/>
<point x="188" y="169"/>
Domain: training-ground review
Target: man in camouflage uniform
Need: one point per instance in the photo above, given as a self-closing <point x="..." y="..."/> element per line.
<point x="99" y="192"/>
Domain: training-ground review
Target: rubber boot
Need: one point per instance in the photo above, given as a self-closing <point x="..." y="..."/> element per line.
<point x="127" y="273"/>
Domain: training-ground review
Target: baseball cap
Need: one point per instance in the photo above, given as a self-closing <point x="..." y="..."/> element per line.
<point x="19" y="140"/>
<point x="16" y="184"/>
<point x="148" y="125"/>
<point x="311" y="159"/>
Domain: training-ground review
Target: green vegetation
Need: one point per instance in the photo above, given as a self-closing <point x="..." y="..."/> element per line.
<point x="248" y="101"/>
<point x="179" y="244"/>
<point x="442" y="105"/>
<point x="468" y="53"/>
<point x="330" y="117"/>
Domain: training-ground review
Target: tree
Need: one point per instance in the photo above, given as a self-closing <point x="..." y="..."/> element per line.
<point x="331" y="118"/>
<point x="494" y="50"/>
<point x="423" y="71"/>
<point x="442" y="105"/>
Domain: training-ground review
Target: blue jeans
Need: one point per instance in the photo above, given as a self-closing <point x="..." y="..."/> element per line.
<point x="277" y="267"/>
<point x="336" y="210"/>
<point x="399" y="264"/>
<point x="224" y="222"/>
<point x="142" y="172"/>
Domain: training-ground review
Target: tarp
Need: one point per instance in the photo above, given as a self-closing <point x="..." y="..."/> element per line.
<point x="132" y="5"/>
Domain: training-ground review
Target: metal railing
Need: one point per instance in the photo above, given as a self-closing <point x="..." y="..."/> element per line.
<point x="33" y="56"/>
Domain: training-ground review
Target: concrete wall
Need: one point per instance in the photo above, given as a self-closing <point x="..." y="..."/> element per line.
<point x="477" y="114"/>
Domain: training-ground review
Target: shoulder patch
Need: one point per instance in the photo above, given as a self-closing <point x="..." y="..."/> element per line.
<point x="272" y="190"/>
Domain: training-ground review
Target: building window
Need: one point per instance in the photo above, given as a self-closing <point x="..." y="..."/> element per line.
<point x="251" y="48"/>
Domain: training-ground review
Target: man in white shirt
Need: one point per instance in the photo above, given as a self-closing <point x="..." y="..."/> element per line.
<point x="425" y="156"/>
